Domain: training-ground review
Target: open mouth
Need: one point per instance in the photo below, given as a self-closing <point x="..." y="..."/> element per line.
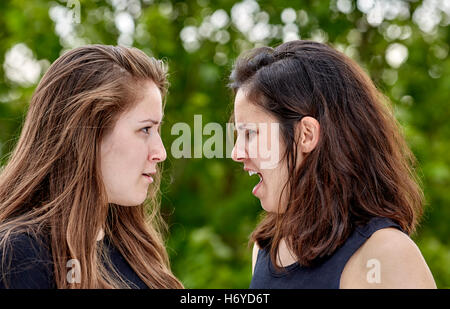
<point x="255" y="189"/>
<point x="148" y="177"/>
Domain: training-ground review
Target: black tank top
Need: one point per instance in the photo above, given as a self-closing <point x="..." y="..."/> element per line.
<point x="324" y="275"/>
<point x="31" y="264"/>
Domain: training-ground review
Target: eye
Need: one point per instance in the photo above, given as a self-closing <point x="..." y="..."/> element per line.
<point x="146" y="130"/>
<point x="249" y="133"/>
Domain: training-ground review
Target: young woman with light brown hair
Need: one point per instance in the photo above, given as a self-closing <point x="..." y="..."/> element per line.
<point x="343" y="197"/>
<point x="79" y="205"/>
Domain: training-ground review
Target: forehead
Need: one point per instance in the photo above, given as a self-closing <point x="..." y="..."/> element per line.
<point x="149" y="104"/>
<point x="245" y="111"/>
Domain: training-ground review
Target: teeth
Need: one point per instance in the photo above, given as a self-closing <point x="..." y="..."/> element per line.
<point x="251" y="173"/>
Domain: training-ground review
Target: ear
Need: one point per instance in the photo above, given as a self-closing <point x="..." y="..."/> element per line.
<point x="308" y="132"/>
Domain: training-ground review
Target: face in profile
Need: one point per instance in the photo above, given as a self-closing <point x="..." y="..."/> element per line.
<point x="132" y="149"/>
<point x="256" y="127"/>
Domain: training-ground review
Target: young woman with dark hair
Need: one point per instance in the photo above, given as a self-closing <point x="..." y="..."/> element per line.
<point x="79" y="202"/>
<point x="343" y="197"/>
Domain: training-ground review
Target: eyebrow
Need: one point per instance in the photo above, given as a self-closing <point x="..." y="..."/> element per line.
<point x="244" y="126"/>
<point x="152" y="121"/>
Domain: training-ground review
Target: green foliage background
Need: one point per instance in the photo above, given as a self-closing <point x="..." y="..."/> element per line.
<point x="208" y="202"/>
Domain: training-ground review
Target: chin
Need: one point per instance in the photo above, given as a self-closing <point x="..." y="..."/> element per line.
<point x="267" y="207"/>
<point x="131" y="203"/>
<point x="270" y="207"/>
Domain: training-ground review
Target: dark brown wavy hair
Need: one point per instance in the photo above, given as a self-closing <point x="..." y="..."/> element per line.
<point x="361" y="167"/>
<point x="52" y="185"/>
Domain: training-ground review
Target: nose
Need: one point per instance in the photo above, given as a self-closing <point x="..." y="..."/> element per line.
<point x="238" y="153"/>
<point x="157" y="151"/>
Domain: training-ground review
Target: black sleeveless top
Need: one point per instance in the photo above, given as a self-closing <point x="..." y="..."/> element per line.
<point x="31" y="265"/>
<point x="326" y="274"/>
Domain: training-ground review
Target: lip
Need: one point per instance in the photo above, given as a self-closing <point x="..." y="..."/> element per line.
<point x="261" y="179"/>
<point x="255" y="188"/>
<point x="148" y="176"/>
<point x="250" y="169"/>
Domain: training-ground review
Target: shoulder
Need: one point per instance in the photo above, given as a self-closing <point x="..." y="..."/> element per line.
<point x="388" y="259"/>
<point x="20" y="239"/>
<point x="23" y="245"/>
<point x="26" y="262"/>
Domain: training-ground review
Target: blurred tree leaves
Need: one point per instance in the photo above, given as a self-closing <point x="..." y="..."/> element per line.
<point x="208" y="202"/>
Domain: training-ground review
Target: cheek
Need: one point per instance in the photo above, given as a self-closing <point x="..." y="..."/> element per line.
<point x="252" y="150"/>
<point x="131" y="158"/>
<point x="122" y="156"/>
<point x="268" y="148"/>
<point x="276" y="181"/>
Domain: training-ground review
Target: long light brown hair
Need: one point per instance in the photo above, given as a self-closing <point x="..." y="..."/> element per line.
<point x="361" y="167"/>
<point x="52" y="186"/>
